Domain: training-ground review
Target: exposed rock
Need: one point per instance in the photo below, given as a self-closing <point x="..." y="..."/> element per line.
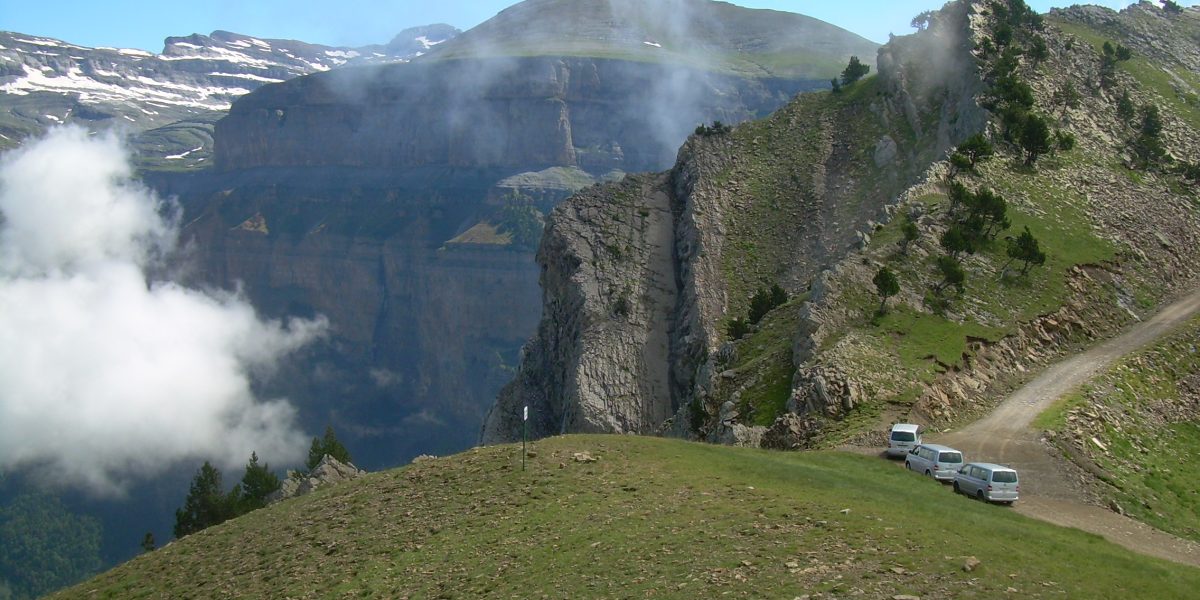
<point x="657" y="247"/>
<point x="583" y="457"/>
<point x="886" y="151"/>
<point x="971" y="564"/>
<point x="329" y="471"/>
<point x="791" y="432"/>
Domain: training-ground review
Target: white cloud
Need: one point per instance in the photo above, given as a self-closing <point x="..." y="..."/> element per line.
<point x="106" y="375"/>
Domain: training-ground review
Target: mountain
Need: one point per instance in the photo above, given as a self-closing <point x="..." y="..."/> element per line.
<point x="387" y="198"/>
<point x="711" y="35"/>
<point x="172" y="98"/>
<point x="619" y="517"/>
<point x="649" y="284"/>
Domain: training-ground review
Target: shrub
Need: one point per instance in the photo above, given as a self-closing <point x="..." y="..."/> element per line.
<point x="738" y="328"/>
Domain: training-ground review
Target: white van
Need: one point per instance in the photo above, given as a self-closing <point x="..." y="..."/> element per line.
<point x="903" y="438"/>
<point x="986" y="481"/>
<point x="938" y="462"/>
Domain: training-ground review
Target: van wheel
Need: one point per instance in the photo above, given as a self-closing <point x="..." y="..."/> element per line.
<point x="979" y="496"/>
<point x="956" y="490"/>
<point x="927" y="473"/>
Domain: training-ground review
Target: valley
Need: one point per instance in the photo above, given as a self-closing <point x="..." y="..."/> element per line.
<point x="702" y="262"/>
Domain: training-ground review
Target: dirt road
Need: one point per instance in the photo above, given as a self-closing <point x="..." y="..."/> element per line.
<point x="1048" y="482"/>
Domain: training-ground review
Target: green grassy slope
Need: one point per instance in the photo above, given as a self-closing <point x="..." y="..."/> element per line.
<point x="650" y="518"/>
<point x="1143" y="411"/>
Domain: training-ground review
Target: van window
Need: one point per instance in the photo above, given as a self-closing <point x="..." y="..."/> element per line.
<point x="1004" y="476"/>
<point x="950" y="457"/>
<point x="904" y="436"/>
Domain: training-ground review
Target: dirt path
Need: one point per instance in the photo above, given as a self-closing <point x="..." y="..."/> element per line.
<point x="1049" y="483"/>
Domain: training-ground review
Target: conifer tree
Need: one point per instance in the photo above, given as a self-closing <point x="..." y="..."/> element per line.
<point x="854" y="71"/>
<point x="1025" y="248"/>
<point x="886" y="285"/>
<point x="328" y="444"/>
<point x="257" y="483"/>
<point x="206" y="505"/>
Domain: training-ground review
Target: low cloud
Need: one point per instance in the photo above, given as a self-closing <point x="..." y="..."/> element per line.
<point x="108" y="374"/>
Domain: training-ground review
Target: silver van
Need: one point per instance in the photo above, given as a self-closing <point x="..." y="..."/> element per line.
<point x="903" y="438"/>
<point x="986" y="481"/>
<point x="936" y="461"/>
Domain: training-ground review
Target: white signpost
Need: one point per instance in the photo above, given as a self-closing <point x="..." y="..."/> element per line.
<point x="524" y="433"/>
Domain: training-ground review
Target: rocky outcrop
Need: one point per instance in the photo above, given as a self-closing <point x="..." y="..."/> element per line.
<point x="599" y="361"/>
<point x="330" y="471"/>
<point x="773" y="201"/>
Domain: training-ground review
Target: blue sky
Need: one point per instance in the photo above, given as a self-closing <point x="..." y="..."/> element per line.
<point x="144" y="23"/>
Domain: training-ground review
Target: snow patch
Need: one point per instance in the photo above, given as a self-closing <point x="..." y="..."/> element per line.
<point x="38" y="42"/>
<point x="184" y="155"/>
<point x="133" y="52"/>
<point x="427" y="43"/>
<point x="654" y="44"/>
<point x="342" y="54"/>
<point x="249" y="76"/>
<point x="54" y="118"/>
<point x="186" y="45"/>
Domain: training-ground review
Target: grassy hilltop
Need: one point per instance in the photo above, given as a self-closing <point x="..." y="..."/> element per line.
<point x="649" y="518"/>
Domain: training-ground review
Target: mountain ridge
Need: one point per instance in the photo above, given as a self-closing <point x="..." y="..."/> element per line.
<point x="46" y="82"/>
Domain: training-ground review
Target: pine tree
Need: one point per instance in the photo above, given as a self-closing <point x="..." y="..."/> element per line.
<point x="910" y="234"/>
<point x="257" y="483"/>
<point x="956" y="240"/>
<point x="148" y="543"/>
<point x="1025" y="248"/>
<point x="886" y="285"/>
<point x="328" y="444"/>
<point x="854" y="71"/>
<point x="206" y="505"/>
<point x="952" y="273"/>
<point x="1035" y="138"/>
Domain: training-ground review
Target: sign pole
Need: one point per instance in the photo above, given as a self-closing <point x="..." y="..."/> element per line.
<point x="524" y="434"/>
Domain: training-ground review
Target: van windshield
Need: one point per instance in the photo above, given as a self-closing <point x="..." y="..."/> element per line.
<point x="1004" y="477"/>
<point x="904" y="436"/>
<point x="950" y="457"/>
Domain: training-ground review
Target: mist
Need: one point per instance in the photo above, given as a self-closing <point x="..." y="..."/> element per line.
<point x="108" y="372"/>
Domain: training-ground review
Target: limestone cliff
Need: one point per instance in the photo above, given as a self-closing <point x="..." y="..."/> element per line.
<point x="640" y="278"/>
<point x="376" y="197"/>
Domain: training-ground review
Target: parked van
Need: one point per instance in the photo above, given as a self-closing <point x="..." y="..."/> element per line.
<point x="938" y="462"/>
<point x="903" y="438"/>
<point x="986" y="481"/>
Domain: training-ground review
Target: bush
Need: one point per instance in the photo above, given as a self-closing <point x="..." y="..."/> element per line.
<point x="1126" y="110"/>
<point x="910" y="234"/>
<point x="717" y="128"/>
<point x="1064" y="141"/>
<point x="738" y="328"/>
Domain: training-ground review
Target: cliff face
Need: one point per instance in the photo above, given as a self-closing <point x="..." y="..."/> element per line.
<point x="374" y="197"/>
<point x="526" y="114"/>
<point x="774" y="201"/>
<point x="805" y="199"/>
